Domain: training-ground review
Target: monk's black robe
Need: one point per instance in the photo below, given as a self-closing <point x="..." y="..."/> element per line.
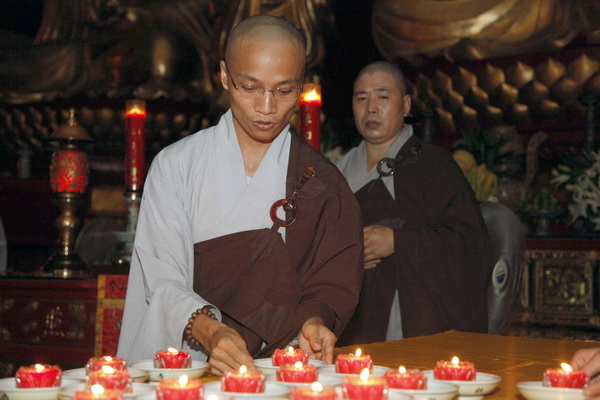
<point x="441" y="262"/>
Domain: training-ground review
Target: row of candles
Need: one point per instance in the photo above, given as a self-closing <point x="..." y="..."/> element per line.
<point x="108" y="378"/>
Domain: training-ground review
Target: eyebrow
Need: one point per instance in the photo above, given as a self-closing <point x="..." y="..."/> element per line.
<point x="253" y="79"/>
<point x="376" y="90"/>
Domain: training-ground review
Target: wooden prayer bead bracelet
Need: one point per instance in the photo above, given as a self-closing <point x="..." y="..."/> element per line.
<point x="188" y="328"/>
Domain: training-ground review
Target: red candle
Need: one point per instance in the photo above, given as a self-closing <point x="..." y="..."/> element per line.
<point x="297" y="373"/>
<point x="172" y="358"/>
<point x="38" y="376"/>
<point x="96" y="363"/>
<point x="135" y="126"/>
<point x="180" y="389"/>
<point x="110" y="379"/>
<point x="316" y="391"/>
<point x="565" y="377"/>
<point x="365" y="387"/>
<point x="69" y="170"/>
<point x="455" y="370"/>
<point x="97" y="392"/>
<point x="243" y="381"/>
<point x="310" y="114"/>
<point x="406" y="379"/>
<point x="353" y="363"/>
<point x="290" y="356"/>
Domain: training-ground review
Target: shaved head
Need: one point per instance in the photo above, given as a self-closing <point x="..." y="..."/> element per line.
<point x="265" y="29"/>
<point x="386" y="68"/>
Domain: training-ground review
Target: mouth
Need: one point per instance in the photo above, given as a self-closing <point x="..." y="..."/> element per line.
<point x="372" y="124"/>
<point x="264" y="125"/>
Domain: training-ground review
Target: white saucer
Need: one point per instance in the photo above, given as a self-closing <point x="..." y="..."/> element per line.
<point x="535" y="391"/>
<point x="378" y="370"/>
<point x="436" y="390"/>
<point x="272" y="390"/>
<point x="137" y="375"/>
<point x="324" y="379"/>
<point x="68" y="392"/>
<point x="266" y="365"/>
<point x="197" y="369"/>
<point x="471" y="390"/>
<point x="8" y="387"/>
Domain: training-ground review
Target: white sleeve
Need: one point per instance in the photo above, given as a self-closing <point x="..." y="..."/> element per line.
<point x="160" y="296"/>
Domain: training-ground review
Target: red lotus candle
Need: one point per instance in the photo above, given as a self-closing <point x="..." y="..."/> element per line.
<point x="69" y="170"/>
<point x="96" y="363"/>
<point x="406" y="379"/>
<point x="243" y="381"/>
<point x="455" y="370"/>
<point x="38" y="376"/>
<point x="316" y="391"/>
<point x="310" y="114"/>
<point x="297" y="373"/>
<point x="180" y="389"/>
<point x="110" y="379"/>
<point x="289" y="356"/>
<point x="565" y="377"/>
<point x="97" y="392"/>
<point x="353" y="363"/>
<point x="172" y="358"/>
<point x="364" y="387"/>
<point x="135" y="127"/>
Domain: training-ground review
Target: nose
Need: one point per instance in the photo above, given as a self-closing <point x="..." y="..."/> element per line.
<point x="266" y="104"/>
<point x="371" y="105"/>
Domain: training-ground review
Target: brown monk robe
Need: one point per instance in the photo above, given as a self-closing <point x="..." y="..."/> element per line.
<point x="265" y="288"/>
<point x="441" y="262"/>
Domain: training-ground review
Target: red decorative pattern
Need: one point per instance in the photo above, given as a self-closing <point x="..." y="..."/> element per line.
<point x="111" y="300"/>
<point x="69" y="171"/>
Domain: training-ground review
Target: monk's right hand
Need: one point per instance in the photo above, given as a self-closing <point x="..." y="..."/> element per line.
<point x="588" y="361"/>
<point x="226" y="347"/>
<point x="379" y="243"/>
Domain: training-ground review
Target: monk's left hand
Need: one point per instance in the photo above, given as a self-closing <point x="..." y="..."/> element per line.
<point x="317" y="340"/>
<point x="379" y="243"/>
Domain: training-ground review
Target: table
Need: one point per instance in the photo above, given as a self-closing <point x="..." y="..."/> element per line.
<point x="515" y="359"/>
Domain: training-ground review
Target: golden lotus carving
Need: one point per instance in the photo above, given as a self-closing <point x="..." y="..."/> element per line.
<point x="519" y="94"/>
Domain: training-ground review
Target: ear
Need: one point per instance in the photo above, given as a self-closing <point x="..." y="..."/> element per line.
<point x="407" y="103"/>
<point x="224" y="80"/>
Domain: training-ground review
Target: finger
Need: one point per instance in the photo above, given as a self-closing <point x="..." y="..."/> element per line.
<point x="592" y="392"/>
<point x="328" y="352"/>
<point x="369" y="266"/>
<point x="217" y="367"/>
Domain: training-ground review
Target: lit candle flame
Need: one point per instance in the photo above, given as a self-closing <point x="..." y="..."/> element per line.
<point x="566" y="367"/>
<point x="455" y="360"/>
<point x="135" y="111"/>
<point x="212" y="397"/>
<point x="364" y="374"/>
<point x="243" y="369"/>
<point x="402" y="370"/>
<point x="290" y="350"/>
<point x="358" y="352"/>
<point x="316" y="387"/>
<point x="312" y="96"/>
<point x="108" y="370"/>
<point x="39" y="367"/>
<point x="298" y="364"/>
<point x="97" y="389"/>
<point x="108" y="358"/>
<point x="183" y="380"/>
<point x="172" y="350"/>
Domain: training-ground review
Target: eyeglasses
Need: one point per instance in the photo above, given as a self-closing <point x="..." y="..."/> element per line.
<point x="255" y="92"/>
